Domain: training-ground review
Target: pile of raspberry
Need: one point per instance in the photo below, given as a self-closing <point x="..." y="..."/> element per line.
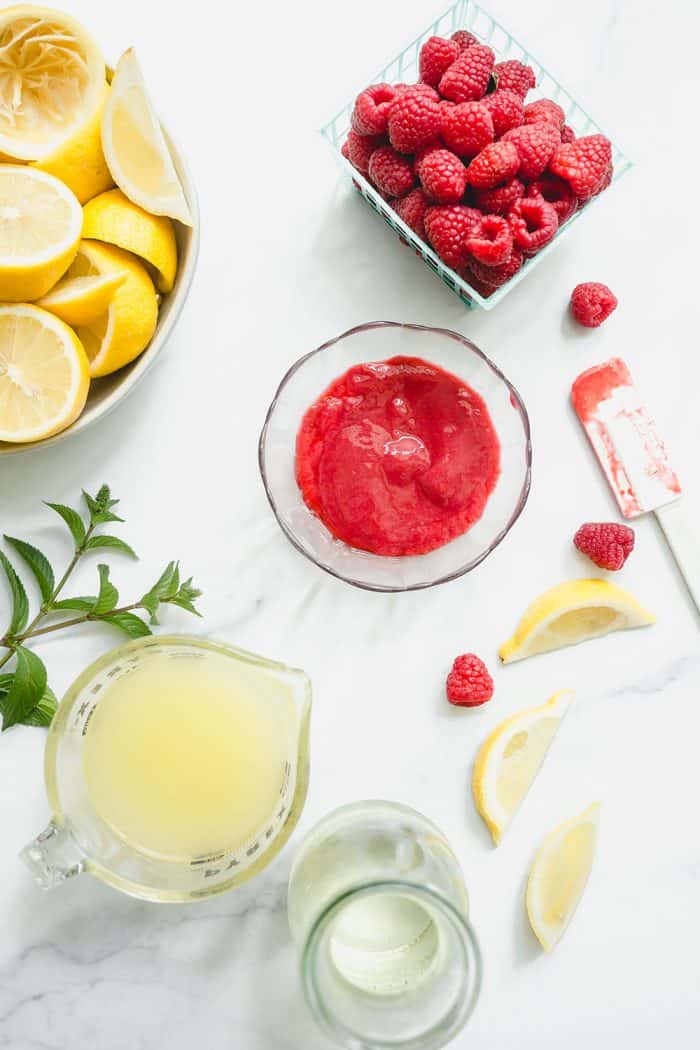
<point x="470" y="167"/>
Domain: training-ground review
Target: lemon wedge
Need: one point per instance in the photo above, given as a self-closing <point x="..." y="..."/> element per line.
<point x="80" y="300"/>
<point x="79" y="161"/>
<point x="52" y="77"/>
<point x="135" y="147"/>
<point x="40" y="225"/>
<point x="570" y="613"/>
<point x="510" y="758"/>
<point x="44" y="374"/>
<point x="559" y="875"/>
<point x="115" y="219"/>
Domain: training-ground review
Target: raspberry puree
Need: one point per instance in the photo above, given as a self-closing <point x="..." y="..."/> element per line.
<point x="397" y="457"/>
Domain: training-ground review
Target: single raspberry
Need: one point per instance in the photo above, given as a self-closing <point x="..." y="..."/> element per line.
<point x="496" y="163"/>
<point x="469" y="684"/>
<point x="499" y="199"/>
<point x="345" y="151"/>
<point x="535" y="145"/>
<point x="448" y="227"/>
<point x="414" y="119"/>
<point x="464" y="39"/>
<point x="423" y="152"/>
<point x="567" y="134"/>
<point x="592" y="303"/>
<point x="361" y="148"/>
<point x="606" y="543"/>
<point x="557" y="192"/>
<point x="412" y="209"/>
<point x="606" y="180"/>
<point x="436" y="57"/>
<point x="545" y="109"/>
<point x="468" y="78"/>
<point x="515" y="76"/>
<point x="466" y="127"/>
<point x="484" y="290"/>
<point x="506" y="109"/>
<point x="390" y="172"/>
<point x="491" y="242"/>
<point x="371" y="113"/>
<point x="533" y="223"/>
<point x="495" y="276"/>
<point x="584" y="164"/>
<point x="443" y="176"/>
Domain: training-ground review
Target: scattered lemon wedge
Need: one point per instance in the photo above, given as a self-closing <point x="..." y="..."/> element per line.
<point x="510" y="758"/>
<point x="120" y="334"/>
<point x="40" y="226"/>
<point x="79" y="161"/>
<point x="52" y="79"/>
<point x="80" y="300"/>
<point x="573" y="612"/>
<point x="135" y="147"/>
<point x="44" y="374"/>
<point x="115" y="219"/>
<point x="559" y="874"/>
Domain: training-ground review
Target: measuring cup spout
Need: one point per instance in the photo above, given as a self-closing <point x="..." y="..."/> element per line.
<point x="53" y="856"/>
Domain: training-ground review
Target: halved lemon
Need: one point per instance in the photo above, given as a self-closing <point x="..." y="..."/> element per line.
<point x="559" y="875"/>
<point x="79" y="161"/>
<point x="52" y="77"/>
<point x="80" y="300"/>
<point x="40" y="225"/>
<point x="44" y="374"/>
<point x="135" y="147"/>
<point x="510" y="759"/>
<point x="115" y="219"/>
<point x="573" y="612"/>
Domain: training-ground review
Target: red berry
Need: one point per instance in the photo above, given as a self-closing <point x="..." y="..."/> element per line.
<point x="496" y="163"/>
<point x="468" y="78"/>
<point x="584" y="164"/>
<point x="506" y="109"/>
<point x="448" y="227"/>
<point x="414" y="119"/>
<point x="535" y="145"/>
<point x="491" y="242"/>
<point x="436" y="57"/>
<point x="499" y="199"/>
<point x="412" y="209"/>
<point x="557" y="192"/>
<point x="464" y="39"/>
<point x="443" y="175"/>
<point x="533" y="223"/>
<point x="467" y="127"/>
<point x="423" y="152"/>
<point x="545" y="109"/>
<point x="495" y="276"/>
<point x="606" y="543"/>
<point x="345" y="151"/>
<point x="371" y="113"/>
<point x="390" y="172"/>
<point x="515" y="76"/>
<point x="567" y="134"/>
<point x="592" y="303"/>
<point x="469" y="684"/>
<point x="361" y="148"/>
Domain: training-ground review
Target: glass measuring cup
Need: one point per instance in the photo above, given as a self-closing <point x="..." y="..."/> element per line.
<point x="78" y="839"/>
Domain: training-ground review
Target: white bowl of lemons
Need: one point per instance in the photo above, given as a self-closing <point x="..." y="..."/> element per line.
<point x="98" y="229"/>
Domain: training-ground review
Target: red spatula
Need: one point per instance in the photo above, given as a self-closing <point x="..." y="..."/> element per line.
<point x="634" y="460"/>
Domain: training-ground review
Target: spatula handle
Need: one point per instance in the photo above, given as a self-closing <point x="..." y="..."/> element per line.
<point x="683" y="538"/>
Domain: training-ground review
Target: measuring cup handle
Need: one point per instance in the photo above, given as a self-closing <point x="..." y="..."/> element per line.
<point x="53" y="856"/>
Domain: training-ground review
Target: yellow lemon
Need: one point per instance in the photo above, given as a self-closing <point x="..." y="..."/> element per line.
<point x="80" y="300"/>
<point x="44" y="374"/>
<point x="573" y="612"/>
<point x="113" y="218"/>
<point x="79" y="161"/>
<point x="135" y="147"/>
<point x="559" y="875"/>
<point x="40" y="226"/>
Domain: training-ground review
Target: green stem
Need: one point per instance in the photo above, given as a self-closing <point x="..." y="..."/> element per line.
<point x="86" y="618"/>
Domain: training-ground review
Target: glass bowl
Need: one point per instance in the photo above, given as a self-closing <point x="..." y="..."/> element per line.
<point x="310" y="376"/>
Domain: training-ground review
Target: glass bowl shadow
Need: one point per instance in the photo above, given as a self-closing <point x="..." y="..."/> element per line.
<point x="311" y="375"/>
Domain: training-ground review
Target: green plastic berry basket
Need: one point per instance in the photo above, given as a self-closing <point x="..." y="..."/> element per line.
<point x="467" y="15"/>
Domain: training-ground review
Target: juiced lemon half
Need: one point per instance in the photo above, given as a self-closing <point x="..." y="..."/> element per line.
<point x="573" y="612"/>
<point x="559" y="875"/>
<point x="78" y="160"/>
<point x="80" y="300"/>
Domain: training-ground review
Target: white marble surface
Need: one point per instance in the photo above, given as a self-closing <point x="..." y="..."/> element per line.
<point x="290" y="258"/>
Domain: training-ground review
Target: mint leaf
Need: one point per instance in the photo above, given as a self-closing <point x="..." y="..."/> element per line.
<point x="108" y="596"/>
<point x="97" y="542"/>
<point x="5" y="683"/>
<point x="186" y="597"/>
<point x="72" y="520"/>
<point x="42" y="714"/>
<point x="84" y="603"/>
<point x="129" y="624"/>
<point x="20" y="602"/>
<point x="27" y="688"/>
<point x="38" y="563"/>
<point x="100" y="506"/>
<point x="165" y="589"/>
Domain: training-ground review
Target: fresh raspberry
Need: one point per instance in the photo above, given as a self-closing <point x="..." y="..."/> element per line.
<point x="423" y="152"/>
<point x="592" y="303"/>
<point x="496" y="163"/>
<point x="414" y="119"/>
<point x="361" y="148"/>
<point x="545" y="109"/>
<point x="390" y="172"/>
<point x="371" y="113"/>
<point x="567" y="134"/>
<point x="448" y="227"/>
<point x="345" y="151"/>
<point x="491" y="242"/>
<point x="606" y="543"/>
<point x="436" y="57"/>
<point x="412" y="209"/>
<point x="606" y="180"/>
<point x="467" y="127"/>
<point x="484" y="290"/>
<point x="535" y="145"/>
<point x="506" y="109"/>
<point x="533" y="223"/>
<point x="464" y="39"/>
<point x="557" y="192"/>
<point x="443" y="175"/>
<point x="499" y="199"/>
<point x="584" y="164"/>
<point x="468" y="78"/>
<point x="469" y="684"/>
<point x="495" y="276"/>
<point x="515" y="76"/>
